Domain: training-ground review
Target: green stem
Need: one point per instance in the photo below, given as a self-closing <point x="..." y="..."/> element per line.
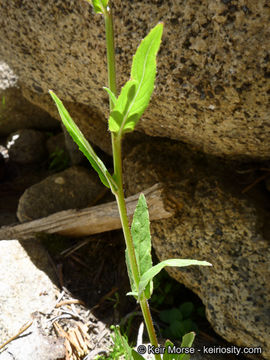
<point x="110" y="50"/>
<point x="111" y="64"/>
<point x="123" y="211"/>
<point x="117" y="159"/>
<point x="149" y="324"/>
<point x="129" y="243"/>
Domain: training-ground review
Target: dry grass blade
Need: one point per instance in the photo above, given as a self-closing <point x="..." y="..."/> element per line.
<point x="76" y="340"/>
<point x="22" y="330"/>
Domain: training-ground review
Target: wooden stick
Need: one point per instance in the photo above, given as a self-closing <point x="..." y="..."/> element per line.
<point x="93" y="220"/>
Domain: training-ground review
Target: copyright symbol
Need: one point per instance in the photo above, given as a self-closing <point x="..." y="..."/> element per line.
<point x="141" y="349"/>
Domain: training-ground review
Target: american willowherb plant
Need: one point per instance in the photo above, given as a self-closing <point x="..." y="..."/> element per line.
<point x="125" y="111"/>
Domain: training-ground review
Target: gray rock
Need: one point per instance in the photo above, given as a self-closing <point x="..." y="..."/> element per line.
<point x="212" y="88"/>
<point x="213" y="221"/>
<point x="56" y="143"/>
<point x="59" y="158"/>
<point x="7" y="77"/>
<point x="73" y="188"/>
<point x="34" y="345"/>
<point x="20" y="178"/>
<point x="26" y="146"/>
<point x="24" y="286"/>
<point x="76" y="156"/>
<point x="63" y="142"/>
<point x="15" y="111"/>
<point x="26" y="290"/>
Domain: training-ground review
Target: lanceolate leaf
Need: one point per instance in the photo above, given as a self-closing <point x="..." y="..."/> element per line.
<point x="143" y="71"/>
<point x="151" y="273"/>
<point x="140" y="231"/>
<point x="83" y="144"/>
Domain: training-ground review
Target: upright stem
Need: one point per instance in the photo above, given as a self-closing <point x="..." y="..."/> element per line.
<point x="117" y="159"/>
<point x="129" y="243"/>
<point x="111" y="63"/>
<point x="110" y="49"/>
<point x="123" y="211"/>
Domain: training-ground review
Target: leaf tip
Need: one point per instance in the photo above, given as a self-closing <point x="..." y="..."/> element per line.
<point x="52" y="94"/>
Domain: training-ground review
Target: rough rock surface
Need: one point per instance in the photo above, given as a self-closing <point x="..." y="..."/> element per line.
<point x="76" y="156"/>
<point x="26" y="146"/>
<point x="212" y="89"/>
<point x="24" y="286"/>
<point x="56" y="143"/>
<point x="7" y="77"/>
<point x="15" y="111"/>
<point x="73" y="188"/>
<point x="16" y="179"/>
<point x="34" y="345"/>
<point x="213" y="222"/>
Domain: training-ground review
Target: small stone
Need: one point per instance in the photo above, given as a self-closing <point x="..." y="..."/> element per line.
<point x="26" y="146"/>
<point x="56" y="143"/>
<point x="76" y="156"/>
<point x="73" y="188"/>
<point x="198" y="44"/>
<point x="60" y="180"/>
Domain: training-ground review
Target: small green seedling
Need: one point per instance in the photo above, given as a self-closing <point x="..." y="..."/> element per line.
<point x="114" y="299"/>
<point x="120" y="347"/>
<point x="59" y="160"/>
<point x="125" y="111"/>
